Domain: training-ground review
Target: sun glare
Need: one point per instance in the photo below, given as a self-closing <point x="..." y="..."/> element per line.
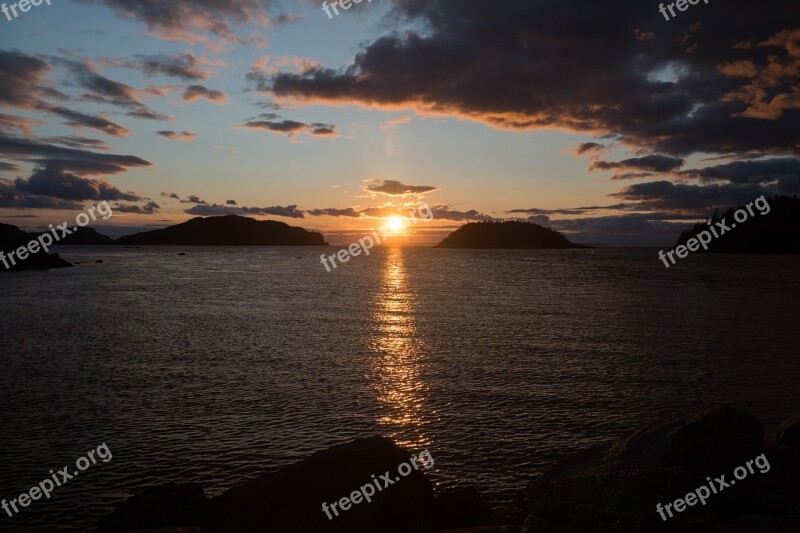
<point x="395" y="224"/>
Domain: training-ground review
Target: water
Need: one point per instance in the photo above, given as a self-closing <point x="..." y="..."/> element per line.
<point x="228" y="362"/>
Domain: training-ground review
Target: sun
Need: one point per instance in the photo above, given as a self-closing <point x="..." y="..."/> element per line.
<point x="395" y="224"/>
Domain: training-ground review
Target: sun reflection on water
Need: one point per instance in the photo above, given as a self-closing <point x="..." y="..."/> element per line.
<point x="398" y="357"/>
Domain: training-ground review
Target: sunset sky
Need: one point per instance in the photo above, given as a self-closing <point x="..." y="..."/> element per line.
<point x="599" y="119"/>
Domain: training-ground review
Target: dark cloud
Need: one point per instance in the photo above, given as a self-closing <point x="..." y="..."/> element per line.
<point x="104" y="90"/>
<point x="680" y="197"/>
<point x="347" y="212"/>
<point x="149" y="208"/>
<point x="784" y="169"/>
<point x="583" y="67"/>
<point x="631" y="176"/>
<point x="84" y="120"/>
<point x="443" y="212"/>
<point x="9" y="167"/>
<point x="178" y="135"/>
<point x="270" y="122"/>
<point x="81" y="161"/>
<point x="184" y="66"/>
<point x="394" y="188"/>
<point x="193" y="199"/>
<point x="231" y="202"/>
<point x="171" y="195"/>
<point x="184" y="20"/>
<point x="21" y="77"/>
<point x="591" y="148"/>
<point x="197" y="92"/>
<point x="78" y="142"/>
<point x="11" y="198"/>
<point x="652" y="163"/>
<point x="57" y="183"/>
<point x="290" y="211"/>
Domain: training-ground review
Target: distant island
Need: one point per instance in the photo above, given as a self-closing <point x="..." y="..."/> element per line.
<point x="506" y="235"/>
<point x="776" y="231"/>
<point x="11" y="239"/>
<point x="232" y="230"/>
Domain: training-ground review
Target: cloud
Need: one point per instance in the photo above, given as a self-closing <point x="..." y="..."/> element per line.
<point x="231" y="202"/>
<point x="652" y="163"/>
<point x="590" y="148"/>
<point x="11" y="198"/>
<point x="526" y="66"/>
<point x="82" y="161"/>
<point x="183" y="20"/>
<point x="347" y="212"/>
<point x="184" y="66"/>
<point x="55" y="182"/>
<point x="377" y="187"/>
<point x="197" y="92"/>
<point x="269" y="122"/>
<point x="107" y="91"/>
<point x="171" y="195"/>
<point x="149" y="208"/>
<point x="193" y="199"/>
<point x="679" y="197"/>
<point x="289" y="211"/>
<point x="9" y="167"/>
<point x="77" y="119"/>
<point x="178" y="135"/>
<point x="783" y="169"/>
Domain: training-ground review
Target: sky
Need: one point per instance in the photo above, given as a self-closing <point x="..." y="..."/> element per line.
<point x="605" y="121"/>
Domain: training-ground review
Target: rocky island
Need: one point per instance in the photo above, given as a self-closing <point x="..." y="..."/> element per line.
<point x="506" y="235"/>
<point x="11" y="239"/>
<point x="229" y="230"/>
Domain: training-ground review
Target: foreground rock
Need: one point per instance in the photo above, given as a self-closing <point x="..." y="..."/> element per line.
<point x="612" y="487"/>
<point x="291" y="499"/>
<point x="616" y="487"/>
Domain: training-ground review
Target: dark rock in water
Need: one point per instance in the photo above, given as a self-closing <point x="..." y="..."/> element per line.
<point x="98" y="261"/>
<point x="463" y="507"/>
<point x="181" y="253"/>
<point x="167" y="506"/>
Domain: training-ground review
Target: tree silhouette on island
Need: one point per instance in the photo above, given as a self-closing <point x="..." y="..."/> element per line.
<point x="506" y="235"/>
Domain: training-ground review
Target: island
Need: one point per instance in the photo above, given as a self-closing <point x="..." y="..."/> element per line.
<point x="772" y="229"/>
<point x="506" y="235"/>
<point x="12" y="239"/>
<point x="231" y="230"/>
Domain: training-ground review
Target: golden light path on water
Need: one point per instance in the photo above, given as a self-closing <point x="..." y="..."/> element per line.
<point x="398" y="357"/>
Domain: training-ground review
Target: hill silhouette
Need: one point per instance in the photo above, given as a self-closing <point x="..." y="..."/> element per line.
<point x="82" y="236"/>
<point x="506" y="235"/>
<point x="232" y="230"/>
<point x="778" y="231"/>
<point x="12" y="238"/>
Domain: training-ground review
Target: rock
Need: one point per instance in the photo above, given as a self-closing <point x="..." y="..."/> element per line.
<point x="462" y="507"/>
<point x="291" y="499"/>
<point x="98" y="261"/>
<point x="181" y="253"/>
<point x="166" y="506"/>
<point x="789" y="432"/>
<point x="616" y="486"/>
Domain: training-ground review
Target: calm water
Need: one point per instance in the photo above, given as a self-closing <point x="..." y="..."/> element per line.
<point x="229" y="362"/>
